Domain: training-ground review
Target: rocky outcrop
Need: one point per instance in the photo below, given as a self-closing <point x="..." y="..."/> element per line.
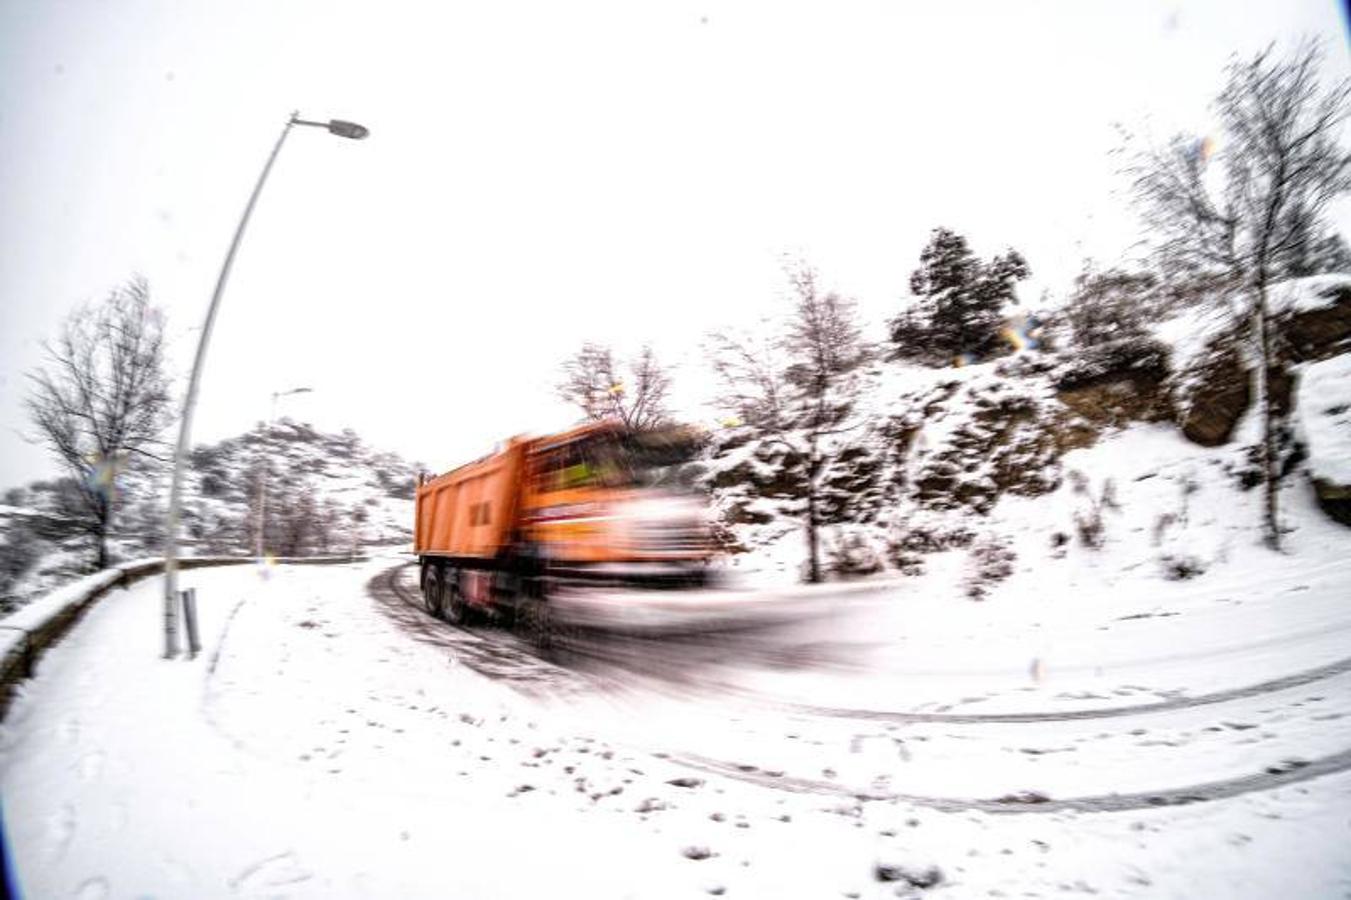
<point x="1212" y="398"/>
<point x="1313" y="335"/>
<point x="1335" y="499"/>
<point x="1009" y="441"/>
<point x="1118" y="382"/>
<point x="1214" y="392"/>
<point x="1324" y="419"/>
<point x="934" y="440"/>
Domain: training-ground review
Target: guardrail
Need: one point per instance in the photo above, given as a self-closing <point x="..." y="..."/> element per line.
<point x="26" y="633"/>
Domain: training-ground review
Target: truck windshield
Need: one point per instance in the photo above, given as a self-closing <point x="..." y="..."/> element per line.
<point x="662" y="458"/>
<point x="632" y="460"/>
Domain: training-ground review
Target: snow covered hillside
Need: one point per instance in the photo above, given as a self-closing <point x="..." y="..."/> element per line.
<point x="326" y="494"/>
<point x="1133" y="456"/>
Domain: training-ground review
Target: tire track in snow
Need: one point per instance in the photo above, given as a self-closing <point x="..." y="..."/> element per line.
<point x="658" y="661"/>
<point x="481" y="652"/>
<point x="496" y="660"/>
<point x="1276" y="777"/>
<point x="1297" y="679"/>
<point x="495" y="656"/>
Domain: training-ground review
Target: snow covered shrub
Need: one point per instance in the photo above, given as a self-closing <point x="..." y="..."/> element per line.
<point x="1089" y="526"/>
<point x="908" y="541"/>
<point x="1181" y="567"/>
<point x="724" y="540"/>
<point x="1187" y="486"/>
<point x="1183" y="552"/>
<point x="1161" y="526"/>
<point x="905" y="562"/>
<point x="991" y="562"/>
<point x="1110" y="305"/>
<point x="213" y="485"/>
<point x="930" y="539"/>
<point x="851" y="555"/>
<point x="1088" y="522"/>
<point x="19" y="549"/>
<point x="1144" y="357"/>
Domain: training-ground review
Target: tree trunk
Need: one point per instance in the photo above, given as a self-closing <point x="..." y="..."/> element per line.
<point x="105" y="510"/>
<point x="813" y="539"/>
<point x="1266" y="404"/>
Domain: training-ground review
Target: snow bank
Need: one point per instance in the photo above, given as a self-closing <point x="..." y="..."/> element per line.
<point x="1189" y="333"/>
<point x="38" y="614"/>
<point x="1303" y="295"/>
<point x="1324" y="410"/>
<point x="27" y="631"/>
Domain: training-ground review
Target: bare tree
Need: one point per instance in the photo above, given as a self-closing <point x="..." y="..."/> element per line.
<point x="1256" y="212"/>
<point x="793" y="387"/>
<point x="102" y="399"/>
<point x="592" y="380"/>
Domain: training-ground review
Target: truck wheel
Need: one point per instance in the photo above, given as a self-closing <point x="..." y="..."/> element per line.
<point x="544" y="629"/>
<point x="454" y="608"/>
<point x="534" y="617"/>
<point x="433" y="590"/>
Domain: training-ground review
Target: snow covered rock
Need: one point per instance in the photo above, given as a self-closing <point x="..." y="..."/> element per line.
<point x="1215" y="391"/>
<point x="1314" y="317"/>
<point x="1213" y="382"/>
<point x="1324" y="414"/>
<point x="1116" y="382"/>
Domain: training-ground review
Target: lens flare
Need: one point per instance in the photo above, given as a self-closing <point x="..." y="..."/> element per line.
<point x="103" y="474"/>
<point x="1204" y="149"/>
<point x="1024" y="333"/>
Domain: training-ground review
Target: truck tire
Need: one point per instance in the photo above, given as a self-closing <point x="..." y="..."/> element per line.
<point x="453" y="608"/>
<point x="550" y="636"/>
<point x="434" y="590"/>
<point x="534" y="620"/>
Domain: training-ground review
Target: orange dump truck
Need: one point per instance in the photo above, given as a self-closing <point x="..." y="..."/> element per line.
<point x="596" y="505"/>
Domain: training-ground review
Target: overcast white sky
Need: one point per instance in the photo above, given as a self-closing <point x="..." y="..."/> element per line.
<point x="541" y="174"/>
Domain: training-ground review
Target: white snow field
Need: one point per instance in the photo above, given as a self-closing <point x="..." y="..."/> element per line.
<point x="1170" y="739"/>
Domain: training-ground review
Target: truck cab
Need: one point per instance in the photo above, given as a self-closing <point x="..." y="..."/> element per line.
<point x="608" y="504"/>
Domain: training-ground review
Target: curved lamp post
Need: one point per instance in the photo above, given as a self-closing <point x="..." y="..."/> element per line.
<point x="334" y="126"/>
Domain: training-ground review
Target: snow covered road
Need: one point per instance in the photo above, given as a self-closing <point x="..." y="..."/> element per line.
<point x="329" y="743"/>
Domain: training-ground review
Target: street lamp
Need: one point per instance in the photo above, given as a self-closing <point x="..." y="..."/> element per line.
<point x="341" y="129"/>
<point x="262" y="470"/>
<point x="337" y="126"/>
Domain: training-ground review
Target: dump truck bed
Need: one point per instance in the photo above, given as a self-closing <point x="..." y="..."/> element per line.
<point x="471" y="512"/>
